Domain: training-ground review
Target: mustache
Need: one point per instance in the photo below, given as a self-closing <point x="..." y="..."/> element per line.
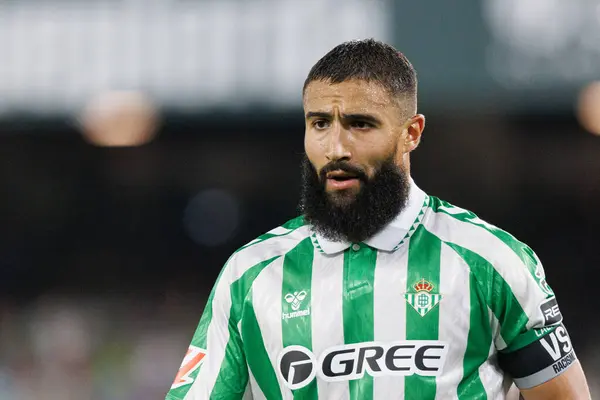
<point x="343" y="166"/>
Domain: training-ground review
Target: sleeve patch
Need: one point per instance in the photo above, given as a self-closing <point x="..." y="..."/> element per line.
<point x="551" y="312"/>
<point x="191" y="362"/>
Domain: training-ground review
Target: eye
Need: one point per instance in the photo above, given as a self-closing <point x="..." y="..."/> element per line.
<point x="321" y="124"/>
<point x="361" y="125"/>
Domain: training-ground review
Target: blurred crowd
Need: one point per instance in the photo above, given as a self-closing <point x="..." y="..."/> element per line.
<point x="82" y="349"/>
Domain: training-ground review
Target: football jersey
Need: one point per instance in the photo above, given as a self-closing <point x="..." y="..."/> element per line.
<point x="438" y="305"/>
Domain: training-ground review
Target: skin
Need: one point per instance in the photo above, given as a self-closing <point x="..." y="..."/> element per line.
<point x="570" y="385"/>
<point x="360" y="123"/>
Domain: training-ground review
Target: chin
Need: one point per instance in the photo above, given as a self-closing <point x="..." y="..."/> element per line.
<point x="342" y="198"/>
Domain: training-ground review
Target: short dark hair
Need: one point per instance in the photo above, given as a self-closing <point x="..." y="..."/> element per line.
<point x="369" y="60"/>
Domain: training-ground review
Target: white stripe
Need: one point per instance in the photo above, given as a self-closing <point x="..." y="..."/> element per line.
<point x="327" y="319"/>
<point x="269" y="248"/>
<point x="390" y="314"/>
<point x="253" y="242"/>
<point x="280" y="230"/>
<point x="266" y="287"/>
<point x="513" y="392"/>
<point x="217" y="334"/>
<point x="217" y="337"/>
<point x="452" y="210"/>
<point x="498" y="339"/>
<point x="496" y="252"/>
<point x="455" y="318"/>
<point x="492" y="377"/>
<point x="248" y="392"/>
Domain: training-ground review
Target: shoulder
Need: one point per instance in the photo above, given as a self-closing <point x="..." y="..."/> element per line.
<point x="470" y="235"/>
<point x="247" y="263"/>
<point x="267" y="247"/>
<point x="457" y="225"/>
<point x="509" y="275"/>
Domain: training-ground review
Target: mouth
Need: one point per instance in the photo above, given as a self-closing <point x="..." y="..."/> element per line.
<point x="341" y="176"/>
<point x="340" y="180"/>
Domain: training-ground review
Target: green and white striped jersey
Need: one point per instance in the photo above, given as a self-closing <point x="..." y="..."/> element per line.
<point x="422" y="310"/>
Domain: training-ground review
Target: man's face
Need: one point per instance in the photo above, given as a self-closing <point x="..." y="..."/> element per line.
<point x="356" y="124"/>
<point x="355" y="177"/>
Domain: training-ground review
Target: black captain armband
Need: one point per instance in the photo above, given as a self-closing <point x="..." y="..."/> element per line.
<point x="540" y="361"/>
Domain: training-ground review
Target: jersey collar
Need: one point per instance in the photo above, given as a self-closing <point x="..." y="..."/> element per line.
<point x="389" y="238"/>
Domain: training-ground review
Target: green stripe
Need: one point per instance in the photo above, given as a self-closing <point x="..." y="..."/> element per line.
<point x="423" y="263"/>
<point x="257" y="356"/>
<point x="357" y="307"/>
<point x="524" y="252"/>
<point x="497" y="294"/>
<point x="528" y="337"/>
<point x="233" y="375"/>
<point x="297" y="274"/>
<point x="479" y="341"/>
<point x="295" y="223"/>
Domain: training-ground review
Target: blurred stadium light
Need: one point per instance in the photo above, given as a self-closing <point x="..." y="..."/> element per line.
<point x="119" y="119"/>
<point x="588" y="108"/>
<point x="211" y="217"/>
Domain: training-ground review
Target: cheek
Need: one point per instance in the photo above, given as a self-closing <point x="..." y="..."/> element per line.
<point x="314" y="151"/>
<point x="371" y="158"/>
<point x="375" y="152"/>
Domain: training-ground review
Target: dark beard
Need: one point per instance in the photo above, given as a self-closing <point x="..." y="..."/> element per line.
<point x="353" y="217"/>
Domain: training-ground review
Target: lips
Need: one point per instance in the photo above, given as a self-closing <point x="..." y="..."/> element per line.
<point x="341" y="180"/>
<point x="340" y="175"/>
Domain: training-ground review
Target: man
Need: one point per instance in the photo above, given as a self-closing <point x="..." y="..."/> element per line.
<point x="378" y="291"/>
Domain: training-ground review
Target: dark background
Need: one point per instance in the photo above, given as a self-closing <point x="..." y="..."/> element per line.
<point x="110" y="230"/>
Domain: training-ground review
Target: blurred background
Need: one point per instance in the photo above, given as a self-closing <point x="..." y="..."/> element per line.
<point x="143" y="141"/>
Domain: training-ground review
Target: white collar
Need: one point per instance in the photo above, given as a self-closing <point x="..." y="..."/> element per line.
<point x="389" y="237"/>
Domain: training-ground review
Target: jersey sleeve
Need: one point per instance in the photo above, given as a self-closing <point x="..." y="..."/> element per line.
<point x="214" y="364"/>
<point x="533" y="343"/>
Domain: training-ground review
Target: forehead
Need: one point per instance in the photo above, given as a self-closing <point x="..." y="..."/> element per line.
<point x="353" y="95"/>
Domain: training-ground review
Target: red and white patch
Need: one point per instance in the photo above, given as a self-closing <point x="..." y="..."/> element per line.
<point x="191" y="362"/>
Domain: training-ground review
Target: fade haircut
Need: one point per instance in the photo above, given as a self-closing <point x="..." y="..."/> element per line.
<point x="370" y="61"/>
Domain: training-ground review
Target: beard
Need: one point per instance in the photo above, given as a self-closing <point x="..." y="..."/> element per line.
<point x="352" y="216"/>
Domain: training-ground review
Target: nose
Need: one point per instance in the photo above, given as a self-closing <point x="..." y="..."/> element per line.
<point x="338" y="148"/>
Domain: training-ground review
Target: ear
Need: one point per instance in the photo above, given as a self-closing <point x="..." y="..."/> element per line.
<point x="413" y="132"/>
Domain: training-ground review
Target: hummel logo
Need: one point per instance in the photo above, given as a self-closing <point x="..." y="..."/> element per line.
<point x="295" y="299"/>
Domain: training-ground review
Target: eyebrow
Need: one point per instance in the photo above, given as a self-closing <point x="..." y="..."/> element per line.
<point x="345" y="117"/>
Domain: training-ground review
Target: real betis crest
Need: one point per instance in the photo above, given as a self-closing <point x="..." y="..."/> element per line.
<point x="422" y="300"/>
